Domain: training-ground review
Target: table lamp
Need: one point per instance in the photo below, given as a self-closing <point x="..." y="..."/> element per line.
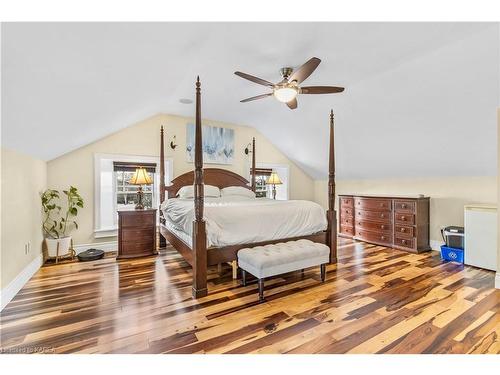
<point x="274" y="180"/>
<point x="140" y="178"/>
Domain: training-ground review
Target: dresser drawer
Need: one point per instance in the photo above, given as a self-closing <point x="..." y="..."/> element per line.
<point x="373" y="226"/>
<point x="373" y="236"/>
<point x="404" y="206"/>
<point x="383" y="216"/>
<point x="349" y="231"/>
<point x="403" y="218"/>
<point x="139" y="235"/>
<point x="138" y="220"/>
<point x="346" y="211"/>
<point x="404" y="242"/>
<point x="137" y="247"/>
<point x="346" y="202"/>
<point x="373" y="204"/>
<point x="404" y="231"/>
<point x="347" y="221"/>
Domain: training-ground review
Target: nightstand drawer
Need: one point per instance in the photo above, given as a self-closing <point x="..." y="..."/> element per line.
<point x="137" y="247"/>
<point x="138" y="235"/>
<point x="145" y="219"/>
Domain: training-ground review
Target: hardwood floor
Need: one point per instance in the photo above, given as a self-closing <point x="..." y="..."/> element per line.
<point x="376" y="300"/>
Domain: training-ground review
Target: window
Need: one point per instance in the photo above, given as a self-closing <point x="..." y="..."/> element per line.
<point x="261" y="176"/>
<point x="262" y="172"/>
<point x="126" y="193"/>
<point x="112" y="190"/>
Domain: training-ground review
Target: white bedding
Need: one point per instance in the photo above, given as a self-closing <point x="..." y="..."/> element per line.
<point x="237" y="220"/>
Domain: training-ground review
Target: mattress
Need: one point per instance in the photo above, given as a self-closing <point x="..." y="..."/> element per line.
<point x="239" y="220"/>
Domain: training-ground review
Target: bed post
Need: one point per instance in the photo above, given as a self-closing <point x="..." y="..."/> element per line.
<point x="253" y="164"/>
<point x="163" y="241"/>
<point x="199" y="230"/>
<point x="331" y="214"/>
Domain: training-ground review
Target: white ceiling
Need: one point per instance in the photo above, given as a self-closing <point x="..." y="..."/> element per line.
<point x="420" y="98"/>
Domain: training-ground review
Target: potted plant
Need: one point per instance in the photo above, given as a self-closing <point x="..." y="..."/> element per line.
<point x="57" y="225"/>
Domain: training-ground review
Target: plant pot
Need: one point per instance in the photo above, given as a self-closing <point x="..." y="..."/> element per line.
<point x="58" y="247"/>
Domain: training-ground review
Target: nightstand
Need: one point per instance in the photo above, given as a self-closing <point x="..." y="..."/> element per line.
<point x="136" y="233"/>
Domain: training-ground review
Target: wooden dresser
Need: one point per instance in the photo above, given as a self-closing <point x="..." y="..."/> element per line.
<point x="399" y="222"/>
<point x="136" y="233"/>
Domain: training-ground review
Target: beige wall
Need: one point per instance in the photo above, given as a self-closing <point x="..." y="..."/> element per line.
<point x="77" y="167"/>
<point x="23" y="179"/>
<point x="448" y="194"/>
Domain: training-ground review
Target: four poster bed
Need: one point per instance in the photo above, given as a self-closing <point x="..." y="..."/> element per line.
<point x="234" y="225"/>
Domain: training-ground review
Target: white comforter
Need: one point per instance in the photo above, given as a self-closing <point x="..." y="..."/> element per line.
<point x="233" y="220"/>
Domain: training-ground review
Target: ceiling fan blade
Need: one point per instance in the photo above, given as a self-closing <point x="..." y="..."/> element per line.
<point x="305" y="70"/>
<point x="258" y="80"/>
<point x="256" y="97"/>
<point x="292" y="104"/>
<point x="321" y="90"/>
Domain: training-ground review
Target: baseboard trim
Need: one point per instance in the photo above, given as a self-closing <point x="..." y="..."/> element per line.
<point x="107" y="247"/>
<point x="9" y="292"/>
<point x="497" y="280"/>
<point x="436" y="245"/>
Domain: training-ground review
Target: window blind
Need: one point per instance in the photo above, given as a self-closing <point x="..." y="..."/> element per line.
<point x="123" y="166"/>
<point x="262" y="171"/>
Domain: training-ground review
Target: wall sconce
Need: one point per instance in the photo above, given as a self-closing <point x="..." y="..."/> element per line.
<point x="248" y="149"/>
<point x="173" y="145"/>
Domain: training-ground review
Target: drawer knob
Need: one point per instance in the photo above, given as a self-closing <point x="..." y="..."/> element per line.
<point x="403" y="205"/>
<point x="403" y="230"/>
<point x="404" y="242"/>
<point x="382" y="238"/>
<point x="403" y="218"/>
<point x="382" y="215"/>
<point x="382" y="227"/>
<point x="346" y="220"/>
<point x="346" y="211"/>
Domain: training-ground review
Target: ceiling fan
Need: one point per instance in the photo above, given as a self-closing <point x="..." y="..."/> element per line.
<point x="286" y="91"/>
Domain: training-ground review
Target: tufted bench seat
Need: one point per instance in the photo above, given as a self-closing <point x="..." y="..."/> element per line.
<point x="271" y="260"/>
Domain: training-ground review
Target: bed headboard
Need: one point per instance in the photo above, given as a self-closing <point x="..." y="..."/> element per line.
<point x="211" y="176"/>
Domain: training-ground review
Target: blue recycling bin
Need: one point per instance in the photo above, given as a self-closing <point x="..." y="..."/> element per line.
<point x="452" y="254"/>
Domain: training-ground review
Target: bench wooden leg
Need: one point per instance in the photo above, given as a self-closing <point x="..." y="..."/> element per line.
<point x="261" y="290"/>
<point x="323" y="272"/>
<point x="243" y="277"/>
<point x="234" y="264"/>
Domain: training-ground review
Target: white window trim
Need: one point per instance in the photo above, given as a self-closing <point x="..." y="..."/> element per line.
<point x="100" y="232"/>
<point x="273" y="166"/>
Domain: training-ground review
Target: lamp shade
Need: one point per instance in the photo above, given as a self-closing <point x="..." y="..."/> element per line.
<point x="274" y="179"/>
<point x="140" y="177"/>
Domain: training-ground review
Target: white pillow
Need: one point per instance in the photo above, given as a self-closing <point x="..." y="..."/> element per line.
<point x="237" y="191"/>
<point x="187" y="192"/>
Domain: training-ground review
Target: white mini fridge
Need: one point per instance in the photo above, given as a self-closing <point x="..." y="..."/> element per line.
<point x="480" y="223"/>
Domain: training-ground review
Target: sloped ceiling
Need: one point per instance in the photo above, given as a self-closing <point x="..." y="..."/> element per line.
<point x="420" y="98"/>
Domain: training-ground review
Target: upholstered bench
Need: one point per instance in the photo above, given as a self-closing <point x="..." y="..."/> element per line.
<point x="271" y="260"/>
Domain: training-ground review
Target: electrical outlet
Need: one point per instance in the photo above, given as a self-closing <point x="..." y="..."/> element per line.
<point x="27" y="248"/>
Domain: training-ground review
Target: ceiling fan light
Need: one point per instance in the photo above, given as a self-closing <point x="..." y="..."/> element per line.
<point x="285" y="94"/>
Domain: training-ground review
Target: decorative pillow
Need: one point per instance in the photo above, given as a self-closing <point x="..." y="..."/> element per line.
<point x="187" y="192"/>
<point x="237" y="191"/>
